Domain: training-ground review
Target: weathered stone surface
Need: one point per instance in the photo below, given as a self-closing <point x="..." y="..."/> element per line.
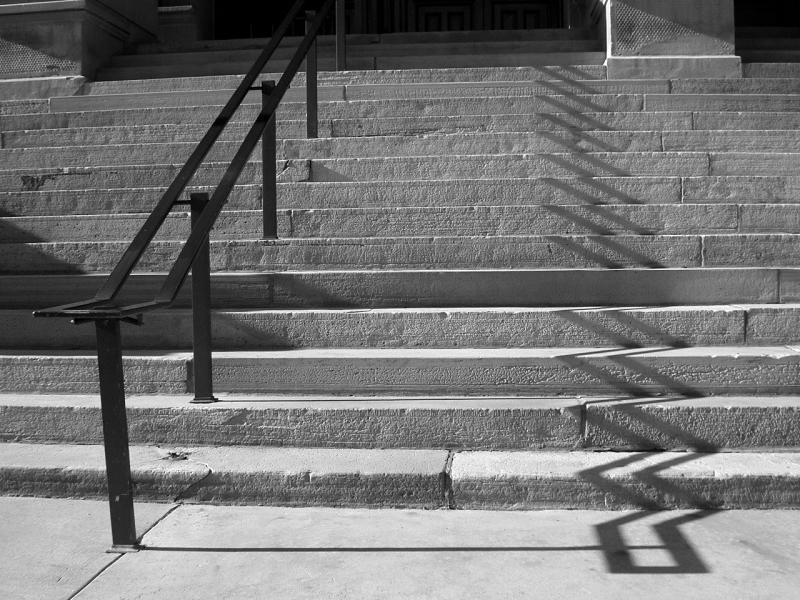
<point x="407" y="328"/>
<point x="769" y="218"/>
<point x="526" y="480"/>
<point x="742" y="189"/>
<point x="63" y="372"/>
<point x="319" y="422"/>
<point x="762" y="85"/>
<point x="434" y="288"/>
<point x="768" y="324"/>
<point x="751" y="250"/>
<point x="744" y="121"/>
<point x="530" y="165"/>
<point x="576" y="251"/>
<point x="78" y="471"/>
<point x="704" y="424"/>
<point x="409" y="222"/>
<point x="688" y="372"/>
<point x="723" y="102"/>
<point x="790" y="285"/>
<point x="730" y="141"/>
<point x="753" y="163"/>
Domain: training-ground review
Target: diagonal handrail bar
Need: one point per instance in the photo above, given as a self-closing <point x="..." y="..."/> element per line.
<point x="133" y="254"/>
<point x="193" y="245"/>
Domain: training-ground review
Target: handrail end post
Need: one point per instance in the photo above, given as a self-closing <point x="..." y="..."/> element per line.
<point x="269" y="151"/>
<point x="115" y="433"/>
<point x="201" y="312"/>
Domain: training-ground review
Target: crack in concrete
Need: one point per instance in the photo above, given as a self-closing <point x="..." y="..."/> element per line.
<point x="448" y="499"/>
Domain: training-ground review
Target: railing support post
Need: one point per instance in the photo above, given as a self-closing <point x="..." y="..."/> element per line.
<point x="311" y="81"/>
<point x="201" y="313"/>
<point x="269" y="150"/>
<point x="115" y="435"/>
<point x="341" y="39"/>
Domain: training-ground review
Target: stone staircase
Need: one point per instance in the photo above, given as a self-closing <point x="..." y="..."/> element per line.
<point x="451" y="49"/>
<point x="484" y="277"/>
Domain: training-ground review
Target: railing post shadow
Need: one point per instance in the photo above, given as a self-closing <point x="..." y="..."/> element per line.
<point x="341" y="39"/>
<point x="269" y="143"/>
<point x="312" y="128"/>
<point x="115" y="435"/>
<point x="201" y="313"/>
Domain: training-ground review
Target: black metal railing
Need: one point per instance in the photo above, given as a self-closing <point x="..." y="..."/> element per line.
<point x="107" y="312"/>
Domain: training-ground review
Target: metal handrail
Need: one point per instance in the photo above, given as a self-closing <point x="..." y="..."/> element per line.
<point x="100" y="307"/>
<point x="194" y="255"/>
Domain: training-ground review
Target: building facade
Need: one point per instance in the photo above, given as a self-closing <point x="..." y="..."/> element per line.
<point x="643" y="38"/>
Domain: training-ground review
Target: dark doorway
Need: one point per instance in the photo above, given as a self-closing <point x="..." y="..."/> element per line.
<point x="767" y="13"/>
<point x="247" y="19"/>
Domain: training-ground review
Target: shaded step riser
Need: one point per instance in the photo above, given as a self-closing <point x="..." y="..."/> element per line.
<point x="443" y="329"/>
<point x="464" y="424"/>
<point x="470" y="221"/>
<point x="476" y="192"/>
<point x="357" y="51"/>
<point x="562" y="75"/>
<point x="517" y="35"/>
<point x="443" y="61"/>
<point x="638" y="373"/>
<point x="435" y="289"/>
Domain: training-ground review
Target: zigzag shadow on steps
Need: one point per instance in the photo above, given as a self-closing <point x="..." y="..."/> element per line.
<point x="634" y="490"/>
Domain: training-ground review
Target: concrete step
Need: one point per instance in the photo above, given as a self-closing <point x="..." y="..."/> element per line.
<point x="438" y="61"/>
<point x="771" y="69"/>
<point x="585" y="79"/>
<point x="531" y="480"/>
<point x="554" y="74"/>
<point x="353" y="93"/>
<point x="415" y="478"/>
<point x="581" y="112"/>
<point x="435" y="288"/>
<point x="296" y="129"/>
<point x="285" y="476"/>
<point x="413" y="222"/>
<point x="684" y="372"/>
<point x="493" y="167"/>
<point x="453" y="145"/>
<point x="98" y="128"/>
<point x="761" y="324"/>
<point x="359" y="51"/>
<point x="436" y="252"/>
<point x="723" y="102"/>
<point x="458" y="423"/>
<point x="55" y="197"/>
<point x="461" y="252"/>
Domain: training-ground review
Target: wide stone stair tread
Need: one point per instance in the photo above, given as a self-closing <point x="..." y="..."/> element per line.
<point x="55" y="196"/>
<point x="515" y="327"/>
<point x="436" y="288"/>
<point x="414" y="478"/>
<point x="421" y="421"/>
<point x="693" y="371"/>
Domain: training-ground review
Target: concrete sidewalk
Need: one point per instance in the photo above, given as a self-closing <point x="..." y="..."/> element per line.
<point x="55" y="549"/>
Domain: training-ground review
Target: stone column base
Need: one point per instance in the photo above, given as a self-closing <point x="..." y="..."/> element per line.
<point x="674" y="67"/>
<point x="69" y="37"/>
